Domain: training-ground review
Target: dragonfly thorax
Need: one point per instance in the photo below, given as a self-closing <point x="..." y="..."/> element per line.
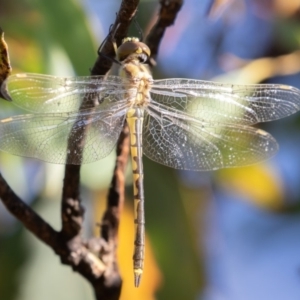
<point x="139" y="93"/>
<point x="132" y="55"/>
<point x="140" y="83"/>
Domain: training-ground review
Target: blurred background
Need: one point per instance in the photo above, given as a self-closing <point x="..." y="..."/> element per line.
<point x="225" y="235"/>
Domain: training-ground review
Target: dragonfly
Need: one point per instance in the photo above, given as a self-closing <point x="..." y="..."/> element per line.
<point x="184" y="124"/>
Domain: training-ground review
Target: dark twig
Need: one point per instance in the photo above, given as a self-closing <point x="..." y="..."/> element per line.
<point x="116" y="193"/>
<point x="117" y="32"/>
<point x="167" y="16"/>
<point x="71" y="209"/>
<point x="115" y="199"/>
<point x="74" y="253"/>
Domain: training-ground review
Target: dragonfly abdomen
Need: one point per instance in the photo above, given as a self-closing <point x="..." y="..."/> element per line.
<point x="135" y="118"/>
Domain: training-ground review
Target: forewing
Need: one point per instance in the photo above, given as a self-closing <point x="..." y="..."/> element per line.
<point x="93" y="135"/>
<point x="190" y="144"/>
<point x="49" y="94"/>
<point x="227" y="103"/>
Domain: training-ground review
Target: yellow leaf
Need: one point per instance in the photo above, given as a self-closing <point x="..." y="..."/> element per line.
<point x="258" y="183"/>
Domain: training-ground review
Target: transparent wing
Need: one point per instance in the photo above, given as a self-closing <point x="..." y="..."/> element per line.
<point x="183" y="142"/>
<point x="50" y="94"/>
<point x="92" y="135"/>
<point x="237" y="104"/>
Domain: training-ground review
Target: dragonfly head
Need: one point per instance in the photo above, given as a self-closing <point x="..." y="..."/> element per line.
<point x="134" y="49"/>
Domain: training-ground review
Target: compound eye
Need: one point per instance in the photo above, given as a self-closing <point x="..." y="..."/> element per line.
<point x="133" y="47"/>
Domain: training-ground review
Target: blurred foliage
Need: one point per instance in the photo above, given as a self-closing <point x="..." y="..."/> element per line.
<point x="36" y="30"/>
<point x="11" y="264"/>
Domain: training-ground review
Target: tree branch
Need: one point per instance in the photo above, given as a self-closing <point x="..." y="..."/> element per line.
<point x="167" y="16"/>
<point x="117" y="32"/>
